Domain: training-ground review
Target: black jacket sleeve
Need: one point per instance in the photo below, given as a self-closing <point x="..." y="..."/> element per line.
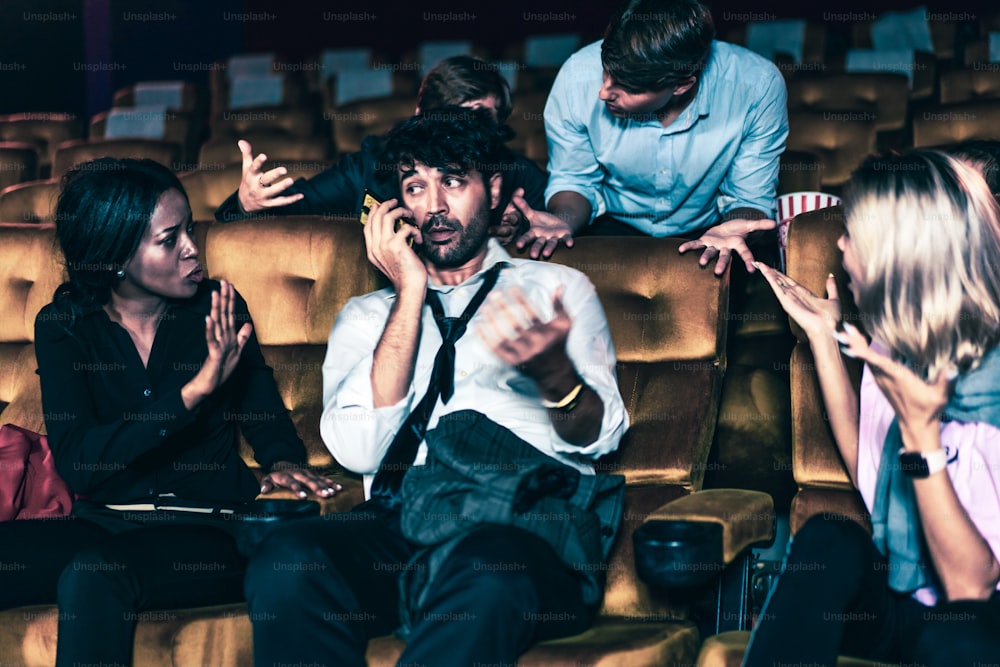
<point x="334" y="191"/>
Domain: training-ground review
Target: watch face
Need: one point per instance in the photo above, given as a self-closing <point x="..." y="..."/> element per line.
<point x="913" y="464"/>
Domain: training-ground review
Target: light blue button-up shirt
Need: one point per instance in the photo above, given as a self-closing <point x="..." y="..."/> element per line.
<point x="720" y="154"/>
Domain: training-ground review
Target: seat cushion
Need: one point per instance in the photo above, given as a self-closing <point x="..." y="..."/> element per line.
<point x="218" y="636"/>
<point x="610" y="643"/>
<point x="726" y="650"/>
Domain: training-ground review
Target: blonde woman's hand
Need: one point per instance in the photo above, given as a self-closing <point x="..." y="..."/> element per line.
<point x="816" y="316"/>
<point x="918" y="404"/>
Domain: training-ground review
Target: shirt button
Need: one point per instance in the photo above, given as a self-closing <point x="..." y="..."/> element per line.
<point x="147" y="392"/>
<point x="463" y="374"/>
<point x="163" y="432"/>
<point x="663" y="171"/>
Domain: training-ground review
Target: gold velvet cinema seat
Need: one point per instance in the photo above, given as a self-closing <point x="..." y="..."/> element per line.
<point x="33" y="201"/>
<point x="352" y="122"/>
<point x="884" y="95"/>
<point x="823" y="482"/>
<point x="46" y="130"/>
<point x="842" y="139"/>
<point x="208" y="186"/>
<point x="667" y="317"/>
<point x="952" y="123"/>
<point x="179" y="127"/>
<point x="223" y="150"/>
<point x="18" y="163"/>
<point x="969" y="84"/>
<point x="71" y="153"/>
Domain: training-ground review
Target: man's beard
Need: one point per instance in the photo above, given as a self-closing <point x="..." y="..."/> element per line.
<point x="458" y="252"/>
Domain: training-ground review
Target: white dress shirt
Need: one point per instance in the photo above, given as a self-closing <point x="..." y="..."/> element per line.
<point x="358" y="434"/>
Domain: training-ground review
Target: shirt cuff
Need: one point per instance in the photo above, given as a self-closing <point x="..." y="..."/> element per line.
<point x="592" y="195"/>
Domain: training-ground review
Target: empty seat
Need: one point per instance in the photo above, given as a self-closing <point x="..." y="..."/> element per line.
<point x="919" y="67"/>
<point x="208" y="187"/>
<point x="275" y="146"/>
<point x="251" y="80"/>
<point x="294" y="122"/>
<point x="809" y="45"/>
<point x="799" y="171"/>
<point x="970" y="84"/>
<point x="154" y="123"/>
<point x="840" y="139"/>
<point x="174" y="95"/>
<point x="353" y="122"/>
<point x="919" y="30"/>
<point x="74" y="152"/>
<point x="33" y="201"/>
<point x="952" y="123"/>
<point x="18" y="163"/>
<point x="884" y="94"/>
<point x="46" y="130"/>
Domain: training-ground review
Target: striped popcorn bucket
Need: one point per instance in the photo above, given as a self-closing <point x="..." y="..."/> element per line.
<point x="793" y="204"/>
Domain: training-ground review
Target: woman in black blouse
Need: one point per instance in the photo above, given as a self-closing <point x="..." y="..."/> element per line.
<point x="147" y="369"/>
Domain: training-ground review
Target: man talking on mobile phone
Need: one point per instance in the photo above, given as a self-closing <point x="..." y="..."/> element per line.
<point x="471" y="361"/>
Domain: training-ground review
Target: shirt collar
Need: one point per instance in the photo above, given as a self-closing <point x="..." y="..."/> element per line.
<point x="495" y="254"/>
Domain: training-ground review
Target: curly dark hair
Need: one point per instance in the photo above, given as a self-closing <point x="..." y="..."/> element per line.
<point x="651" y="45"/>
<point x="450" y="137"/>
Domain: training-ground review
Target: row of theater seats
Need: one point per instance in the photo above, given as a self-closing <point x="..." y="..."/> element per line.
<point x="668" y="319"/>
<point x="838" y="117"/>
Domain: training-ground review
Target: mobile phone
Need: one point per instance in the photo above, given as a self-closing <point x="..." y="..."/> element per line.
<point x="366" y="207"/>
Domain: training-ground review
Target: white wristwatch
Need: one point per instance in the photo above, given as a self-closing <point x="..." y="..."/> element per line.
<point x="922" y="464"/>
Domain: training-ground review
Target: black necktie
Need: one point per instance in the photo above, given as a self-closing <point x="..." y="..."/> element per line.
<point x="403" y="449"/>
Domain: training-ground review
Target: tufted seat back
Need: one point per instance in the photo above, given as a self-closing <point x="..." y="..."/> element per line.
<point x="33" y="201"/>
<point x="354" y="121"/>
<point x="824" y="485"/>
<point x="30" y="271"/>
<point x="882" y="95"/>
<point x="952" y="123"/>
<point x="841" y="139"/>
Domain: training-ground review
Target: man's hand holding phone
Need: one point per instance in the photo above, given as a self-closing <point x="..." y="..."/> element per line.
<point x="389" y="233"/>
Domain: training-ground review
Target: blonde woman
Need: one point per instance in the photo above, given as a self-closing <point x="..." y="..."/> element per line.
<point x="921" y="442"/>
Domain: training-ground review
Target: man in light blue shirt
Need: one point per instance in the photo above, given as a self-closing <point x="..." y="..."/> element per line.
<point x="662" y="128"/>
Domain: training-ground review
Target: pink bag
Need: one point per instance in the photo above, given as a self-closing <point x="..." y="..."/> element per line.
<point x="30" y="487"/>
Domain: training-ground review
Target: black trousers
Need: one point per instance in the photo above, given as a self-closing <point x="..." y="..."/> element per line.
<point x="104" y="581"/>
<point x="318" y="589"/>
<point x="833" y="597"/>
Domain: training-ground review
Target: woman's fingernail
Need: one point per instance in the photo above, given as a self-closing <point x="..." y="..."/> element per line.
<point x="850" y="328"/>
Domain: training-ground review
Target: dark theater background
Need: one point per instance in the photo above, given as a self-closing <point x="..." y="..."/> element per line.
<point x="70" y="55"/>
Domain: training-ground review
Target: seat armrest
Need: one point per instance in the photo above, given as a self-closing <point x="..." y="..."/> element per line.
<point x="691" y="540"/>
